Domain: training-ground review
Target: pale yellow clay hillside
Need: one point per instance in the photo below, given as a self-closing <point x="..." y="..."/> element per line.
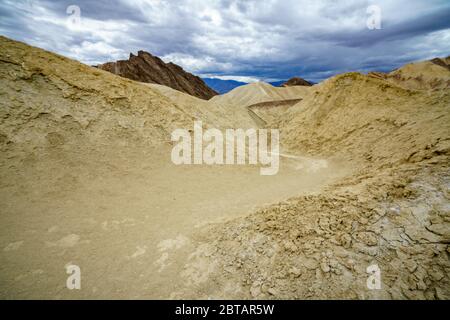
<point x="433" y="74"/>
<point x="86" y="178"/>
<point x="257" y="92"/>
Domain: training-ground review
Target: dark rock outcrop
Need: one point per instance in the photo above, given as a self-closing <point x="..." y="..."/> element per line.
<point x="444" y="62"/>
<point x="148" y="68"/>
<point x="296" y="81"/>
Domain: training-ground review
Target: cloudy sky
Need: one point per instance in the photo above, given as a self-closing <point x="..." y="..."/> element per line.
<point x="238" y="39"/>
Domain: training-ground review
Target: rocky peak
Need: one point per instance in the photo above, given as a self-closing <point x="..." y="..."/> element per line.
<point x="148" y="68"/>
<point x="296" y="81"/>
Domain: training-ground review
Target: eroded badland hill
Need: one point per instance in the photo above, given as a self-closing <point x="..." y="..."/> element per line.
<point x="86" y="179"/>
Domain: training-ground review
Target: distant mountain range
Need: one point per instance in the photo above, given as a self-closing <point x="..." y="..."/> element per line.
<point x="277" y="83"/>
<point x="222" y="86"/>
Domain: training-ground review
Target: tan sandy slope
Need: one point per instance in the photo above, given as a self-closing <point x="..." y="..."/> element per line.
<point x="423" y="75"/>
<point x="258" y="92"/>
<point x="219" y="116"/>
<point x="86" y="178"/>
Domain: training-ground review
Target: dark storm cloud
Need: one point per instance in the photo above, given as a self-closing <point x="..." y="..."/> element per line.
<point x="101" y="10"/>
<point x="253" y="39"/>
<point x="421" y="25"/>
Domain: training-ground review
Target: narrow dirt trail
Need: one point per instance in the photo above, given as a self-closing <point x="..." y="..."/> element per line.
<point x="122" y="217"/>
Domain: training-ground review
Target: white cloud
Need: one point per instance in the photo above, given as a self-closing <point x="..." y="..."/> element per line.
<point x="235" y="78"/>
<point x="87" y="50"/>
<point x="196" y="64"/>
<point x="238" y="38"/>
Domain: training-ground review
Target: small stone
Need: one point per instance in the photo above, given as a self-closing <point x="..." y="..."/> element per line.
<point x="421" y="285"/>
<point x="290" y="246"/>
<point x="295" y="271"/>
<point x="334" y="263"/>
<point x="255" y="291"/>
<point x="369" y="238"/>
<point x="394" y="210"/>
<point x="325" y="267"/>
<point x="345" y="240"/>
<point x="411" y="265"/>
<point x="310" y="264"/>
<point x="436" y="274"/>
<point x="273" y="291"/>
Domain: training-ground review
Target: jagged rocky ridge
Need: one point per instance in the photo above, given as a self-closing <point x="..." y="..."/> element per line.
<point x="148" y="68"/>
